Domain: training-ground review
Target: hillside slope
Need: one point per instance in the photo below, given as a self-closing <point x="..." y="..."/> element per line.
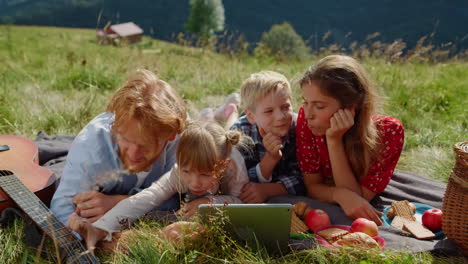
<point x="346" y="20"/>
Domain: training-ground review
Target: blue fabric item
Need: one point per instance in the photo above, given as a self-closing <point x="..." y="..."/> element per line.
<point x="286" y="171"/>
<point x="93" y="163"/>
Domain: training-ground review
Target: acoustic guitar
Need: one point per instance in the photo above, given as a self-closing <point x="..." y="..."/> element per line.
<point x="31" y="187"/>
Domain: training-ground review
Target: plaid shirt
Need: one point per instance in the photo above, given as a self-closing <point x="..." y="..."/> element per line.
<point x="286" y="170"/>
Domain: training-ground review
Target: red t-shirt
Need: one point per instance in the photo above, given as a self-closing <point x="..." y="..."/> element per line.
<point x="312" y="151"/>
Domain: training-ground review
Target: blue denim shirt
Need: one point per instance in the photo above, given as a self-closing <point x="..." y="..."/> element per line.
<point x="93" y="163"/>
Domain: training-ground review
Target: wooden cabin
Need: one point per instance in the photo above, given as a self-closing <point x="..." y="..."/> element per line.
<point x="128" y="33"/>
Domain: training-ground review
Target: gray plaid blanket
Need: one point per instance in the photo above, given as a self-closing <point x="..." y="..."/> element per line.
<point x="403" y="186"/>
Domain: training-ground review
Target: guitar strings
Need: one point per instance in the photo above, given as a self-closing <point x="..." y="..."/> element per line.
<point x="51" y="216"/>
<point x="68" y="247"/>
<point x="55" y="223"/>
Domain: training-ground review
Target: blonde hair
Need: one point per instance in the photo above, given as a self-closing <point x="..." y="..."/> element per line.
<point x="203" y="144"/>
<point x="150" y="101"/>
<point x="260" y="84"/>
<point x="344" y="79"/>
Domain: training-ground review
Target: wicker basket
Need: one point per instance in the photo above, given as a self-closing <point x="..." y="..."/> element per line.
<point x="455" y="204"/>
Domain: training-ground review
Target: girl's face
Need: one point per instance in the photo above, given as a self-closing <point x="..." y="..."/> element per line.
<point x="198" y="182"/>
<point x="318" y="108"/>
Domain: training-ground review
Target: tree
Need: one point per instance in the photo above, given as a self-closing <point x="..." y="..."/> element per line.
<point x="206" y="17"/>
<point x="282" y="42"/>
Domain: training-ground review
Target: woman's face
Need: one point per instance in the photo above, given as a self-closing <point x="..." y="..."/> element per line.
<point x="197" y="182"/>
<point x="318" y="108"/>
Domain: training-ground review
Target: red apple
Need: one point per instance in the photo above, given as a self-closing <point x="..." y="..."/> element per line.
<point x="317" y="218"/>
<point x="432" y="219"/>
<point x="365" y="226"/>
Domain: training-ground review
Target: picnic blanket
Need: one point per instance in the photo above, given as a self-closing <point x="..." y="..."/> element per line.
<point x="403" y="186"/>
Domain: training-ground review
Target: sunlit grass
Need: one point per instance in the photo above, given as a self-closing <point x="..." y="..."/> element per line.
<point x="57" y="80"/>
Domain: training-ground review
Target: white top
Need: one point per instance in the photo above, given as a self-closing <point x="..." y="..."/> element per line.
<point x="141" y="176"/>
<point x="133" y="207"/>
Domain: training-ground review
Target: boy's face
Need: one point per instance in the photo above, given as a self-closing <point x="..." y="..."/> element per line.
<point x="136" y="154"/>
<point x="273" y="114"/>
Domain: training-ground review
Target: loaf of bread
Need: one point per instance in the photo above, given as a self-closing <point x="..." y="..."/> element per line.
<point x="301" y="209"/>
<point x="358" y="240"/>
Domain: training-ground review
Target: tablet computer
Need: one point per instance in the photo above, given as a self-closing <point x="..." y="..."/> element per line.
<point x="267" y="224"/>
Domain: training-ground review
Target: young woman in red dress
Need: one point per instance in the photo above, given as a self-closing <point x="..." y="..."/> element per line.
<point x="346" y="152"/>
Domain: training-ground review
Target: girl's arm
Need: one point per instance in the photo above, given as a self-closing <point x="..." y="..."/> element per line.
<point x="139" y="204"/>
<point x="343" y="175"/>
<point x="317" y="189"/>
<point x="352" y="203"/>
<point x="307" y="156"/>
<point x="391" y="133"/>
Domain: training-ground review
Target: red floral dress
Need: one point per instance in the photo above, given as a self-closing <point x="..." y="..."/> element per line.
<point x="312" y="152"/>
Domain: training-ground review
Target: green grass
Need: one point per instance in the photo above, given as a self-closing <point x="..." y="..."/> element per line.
<point x="57" y="80"/>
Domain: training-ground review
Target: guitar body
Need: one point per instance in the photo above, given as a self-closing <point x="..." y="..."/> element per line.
<point x="31" y="187"/>
<point x="22" y="159"/>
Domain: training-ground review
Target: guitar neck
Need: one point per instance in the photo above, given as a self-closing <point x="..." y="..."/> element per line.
<point x="43" y="217"/>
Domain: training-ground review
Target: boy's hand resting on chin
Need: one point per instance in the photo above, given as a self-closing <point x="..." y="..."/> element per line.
<point x="272" y="143"/>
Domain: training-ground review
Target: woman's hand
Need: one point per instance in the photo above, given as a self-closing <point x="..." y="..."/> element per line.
<point x="340" y="122"/>
<point x="190" y="209"/>
<point x="356" y="206"/>
<point x="86" y="230"/>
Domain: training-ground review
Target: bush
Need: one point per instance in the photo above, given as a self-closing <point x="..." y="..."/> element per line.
<point x="283" y="43"/>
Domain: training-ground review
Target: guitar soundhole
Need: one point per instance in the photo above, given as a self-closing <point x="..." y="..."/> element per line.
<point x="5" y="173"/>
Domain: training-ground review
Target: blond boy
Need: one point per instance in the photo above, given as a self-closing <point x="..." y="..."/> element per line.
<point x="270" y="121"/>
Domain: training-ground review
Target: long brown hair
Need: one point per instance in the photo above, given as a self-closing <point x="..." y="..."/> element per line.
<point x="344" y="79"/>
<point x="152" y="102"/>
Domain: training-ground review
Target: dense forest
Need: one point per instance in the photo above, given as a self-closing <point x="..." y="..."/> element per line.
<point x="443" y="21"/>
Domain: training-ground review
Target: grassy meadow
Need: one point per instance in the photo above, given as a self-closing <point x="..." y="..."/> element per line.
<point x="57" y="80"/>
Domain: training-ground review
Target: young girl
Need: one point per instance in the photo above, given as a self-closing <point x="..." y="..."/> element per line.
<point x="208" y="170"/>
<point x="346" y="152"/>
